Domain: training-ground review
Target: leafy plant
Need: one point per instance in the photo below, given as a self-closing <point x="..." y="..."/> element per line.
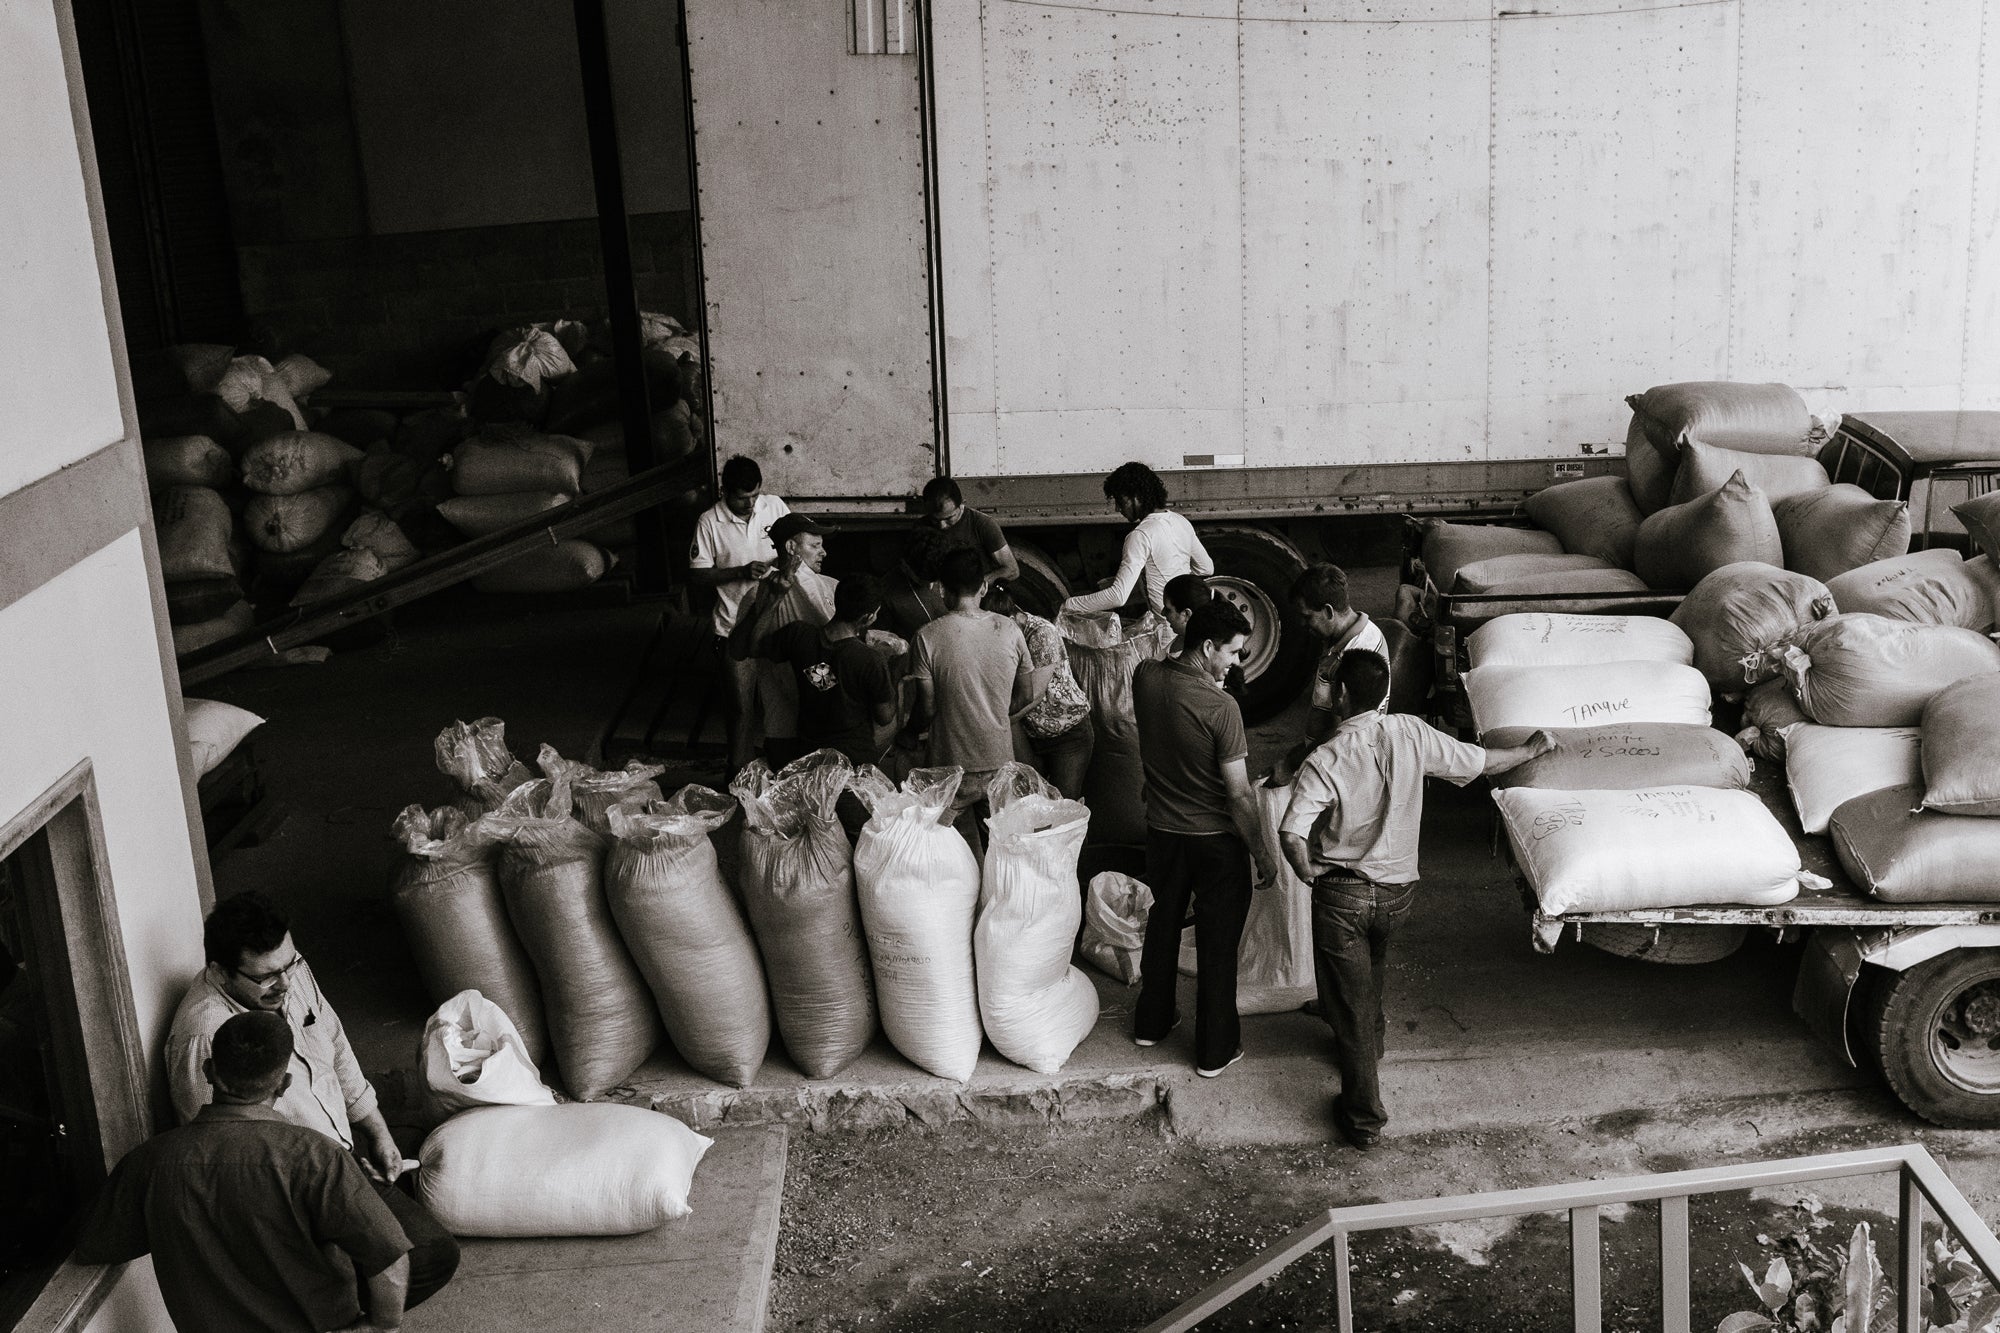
<point x="1811" y="1286"/>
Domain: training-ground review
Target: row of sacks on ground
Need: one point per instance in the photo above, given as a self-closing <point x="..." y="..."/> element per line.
<point x="1885" y="728"/>
<point x="261" y="499"/>
<point x="1716" y="473"/>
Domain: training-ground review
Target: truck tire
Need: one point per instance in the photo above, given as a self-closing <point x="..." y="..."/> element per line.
<point x="1255" y="569"/>
<point x="1934" y="1031"/>
<point x="1041" y="589"/>
<point x="1681" y="946"/>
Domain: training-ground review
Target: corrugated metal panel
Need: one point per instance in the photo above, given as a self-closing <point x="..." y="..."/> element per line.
<point x="815" y="250"/>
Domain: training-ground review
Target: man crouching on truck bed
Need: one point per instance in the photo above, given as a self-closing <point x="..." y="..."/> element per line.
<point x="1368" y="778"/>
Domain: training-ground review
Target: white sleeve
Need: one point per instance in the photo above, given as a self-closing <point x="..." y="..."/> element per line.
<point x="1198" y="559"/>
<point x="1138" y="546"/>
<point x="702" y="554"/>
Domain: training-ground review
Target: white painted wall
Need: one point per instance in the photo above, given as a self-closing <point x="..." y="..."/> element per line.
<point x="58" y="391"/>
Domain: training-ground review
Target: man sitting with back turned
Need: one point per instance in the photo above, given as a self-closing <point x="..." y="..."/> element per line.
<point x="254" y="966"/>
<point x="242" y="1210"/>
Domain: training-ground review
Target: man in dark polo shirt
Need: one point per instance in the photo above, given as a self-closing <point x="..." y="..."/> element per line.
<point x="1201" y="833"/>
<point x="847" y="697"/>
<point x="241" y="1209"/>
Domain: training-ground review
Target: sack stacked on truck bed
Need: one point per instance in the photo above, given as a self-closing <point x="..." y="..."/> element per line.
<point x="1449" y="547"/>
<point x="1593" y="694"/>
<point x="797" y="882"/>
<point x="1596" y="516"/>
<point x="1611" y="851"/>
<point x="446" y="890"/>
<point x="1622" y="758"/>
<point x="918" y="884"/>
<point x="1830" y="531"/>
<point x="510" y="472"/>
<point x="1546" y="639"/>
<point x="1869" y="671"/>
<point x="1929" y="587"/>
<point x="1753" y="418"/>
<point x="1961" y="748"/>
<point x="1739" y="615"/>
<point x="1826" y="767"/>
<point x="686" y="933"/>
<point x="1904" y="854"/>
<point x="1034" y="1003"/>
<point x="1770" y="715"/>
<point x="1682" y="544"/>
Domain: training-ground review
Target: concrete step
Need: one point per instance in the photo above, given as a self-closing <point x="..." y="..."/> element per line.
<point x="710" y="1272"/>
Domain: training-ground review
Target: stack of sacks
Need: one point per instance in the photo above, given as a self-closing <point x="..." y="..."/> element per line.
<point x="372" y="546"/>
<point x="302" y="497"/>
<point x="1740" y="615"/>
<point x="1763" y="419"/>
<point x="204" y="593"/>
<point x="1483" y="559"/>
<point x="1935" y="838"/>
<point x="1929" y="587"/>
<point x="507" y="474"/>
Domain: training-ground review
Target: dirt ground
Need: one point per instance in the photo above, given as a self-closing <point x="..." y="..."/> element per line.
<point x="1081" y="1230"/>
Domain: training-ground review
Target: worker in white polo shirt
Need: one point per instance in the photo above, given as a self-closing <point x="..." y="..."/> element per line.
<point x="732" y="551"/>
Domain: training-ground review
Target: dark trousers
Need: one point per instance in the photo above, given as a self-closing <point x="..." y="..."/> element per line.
<point x="433" y="1252"/>
<point x="1065" y="760"/>
<point x="1353" y="922"/>
<point x="1214" y="870"/>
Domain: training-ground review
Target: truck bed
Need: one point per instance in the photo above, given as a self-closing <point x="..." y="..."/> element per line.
<point x="1840" y="904"/>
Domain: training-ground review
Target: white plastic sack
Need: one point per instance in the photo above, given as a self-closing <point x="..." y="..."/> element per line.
<point x="1115" y="908"/>
<point x="474" y="755"/>
<point x="1274" y="963"/>
<point x="571" y="1170"/>
<point x="1539" y="639"/>
<point x="474" y="1056"/>
<point x="919" y="889"/>
<point x="1035" y="1005"/>
<point x="1614" y="851"/>
<point x="1598" y="694"/>
<point x="1828" y="766"/>
<point x="596" y="790"/>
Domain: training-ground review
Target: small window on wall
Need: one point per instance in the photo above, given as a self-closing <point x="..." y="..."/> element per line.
<point x="72" y="1081"/>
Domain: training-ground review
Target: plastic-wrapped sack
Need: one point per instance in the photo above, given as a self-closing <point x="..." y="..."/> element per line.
<point x="1682" y="544"/>
<point x="474" y="755"/>
<point x="1770" y="715"/>
<point x="527" y="357"/>
<point x="1597" y="694"/>
<point x="474" y="1057"/>
<point x="797" y="881"/>
<point x="527" y="1171"/>
<point x="498" y="460"/>
<point x="446" y="889"/>
<point x="1115" y="907"/>
<point x="1903" y="854"/>
<point x="686" y="932"/>
<point x="1541" y="639"/>
<point x="602" y="1024"/>
<point x="1274" y="962"/>
<point x="594" y="790"/>
<point x="296" y="461"/>
<point x="1595" y="516"/>
<point x="918" y="885"/>
<point x="1449" y="547"/>
<point x="1826" y="767"/>
<point x="1961" y="748"/>
<point x="1614" y="851"/>
<point x="1035" y="1005"/>
<point x="282" y="524"/>
<point x="1707" y="467"/>
<point x="1103" y="653"/>
<point x="188" y="460"/>
<point x="1644" y="754"/>
<point x="564" y="567"/>
<point x="192" y="524"/>
<point x="1870" y="671"/>
<point x="251" y="380"/>
<point x="1929" y="587"/>
<point x="1829" y="531"/>
<point x="1739" y="614"/>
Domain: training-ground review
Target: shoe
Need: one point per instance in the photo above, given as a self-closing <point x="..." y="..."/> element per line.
<point x="1155" y="1041"/>
<point x="1360" y="1139"/>
<point x="1216" y="1072"/>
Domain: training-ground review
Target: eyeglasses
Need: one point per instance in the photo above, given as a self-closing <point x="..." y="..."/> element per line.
<point x="264" y="979"/>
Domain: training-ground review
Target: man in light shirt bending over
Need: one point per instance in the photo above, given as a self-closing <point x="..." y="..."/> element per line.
<point x="1161" y="545"/>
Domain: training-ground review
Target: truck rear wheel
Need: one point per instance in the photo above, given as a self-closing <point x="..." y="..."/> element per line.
<point x="1041" y="589"/>
<point x="1935" y="1034"/>
<point x="1254" y="569"/>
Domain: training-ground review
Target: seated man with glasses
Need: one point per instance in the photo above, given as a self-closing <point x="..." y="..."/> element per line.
<point x="253" y="965"/>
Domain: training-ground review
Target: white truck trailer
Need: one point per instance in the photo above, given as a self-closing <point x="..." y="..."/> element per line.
<point x="1316" y="259"/>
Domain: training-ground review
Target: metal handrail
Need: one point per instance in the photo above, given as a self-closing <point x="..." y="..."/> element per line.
<point x="1921" y="1178"/>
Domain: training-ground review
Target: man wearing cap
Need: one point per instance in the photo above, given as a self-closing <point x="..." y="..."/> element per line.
<point x="793" y="592"/>
<point x="732" y="550"/>
<point x="255" y="1224"/>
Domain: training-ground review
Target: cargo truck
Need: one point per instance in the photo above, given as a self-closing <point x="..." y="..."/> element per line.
<point x="1314" y="261"/>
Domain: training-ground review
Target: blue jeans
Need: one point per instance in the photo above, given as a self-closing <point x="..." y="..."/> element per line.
<point x="1353" y="922"/>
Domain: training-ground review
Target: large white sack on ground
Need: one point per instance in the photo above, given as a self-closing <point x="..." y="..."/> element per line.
<point x="1035" y="1004"/>
<point x="1741" y="613"/>
<point x="1961" y="763"/>
<point x="1540" y="639"/>
<point x="686" y="933"/>
<point x="919" y="889"/>
<point x="1929" y="587"/>
<point x="473" y="1056"/>
<point x="1615" y="758"/>
<point x="573" y="1170"/>
<point x="796" y="876"/>
<point x="1827" y="767"/>
<point x="1870" y="671"/>
<point x="1598" y="694"/>
<point x="1618" y="851"/>
<point x="1115" y="907"/>
<point x="1274" y="963"/>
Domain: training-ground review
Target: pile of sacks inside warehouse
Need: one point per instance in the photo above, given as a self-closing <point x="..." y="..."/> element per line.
<point x="1867" y="671"/>
<point x="263" y="499"/>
